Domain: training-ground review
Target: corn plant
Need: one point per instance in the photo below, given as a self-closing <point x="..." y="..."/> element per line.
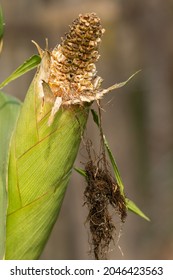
<point x="40" y="137"/>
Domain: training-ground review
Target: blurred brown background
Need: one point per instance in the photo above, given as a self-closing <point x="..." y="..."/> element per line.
<point x="137" y="118"/>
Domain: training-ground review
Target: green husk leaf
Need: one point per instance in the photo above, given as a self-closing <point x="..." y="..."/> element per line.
<point x="114" y="165"/>
<point x="28" y="65"/>
<point x="9" y="111"/>
<point x="135" y="209"/>
<point x="41" y="161"/>
<point x="129" y="203"/>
